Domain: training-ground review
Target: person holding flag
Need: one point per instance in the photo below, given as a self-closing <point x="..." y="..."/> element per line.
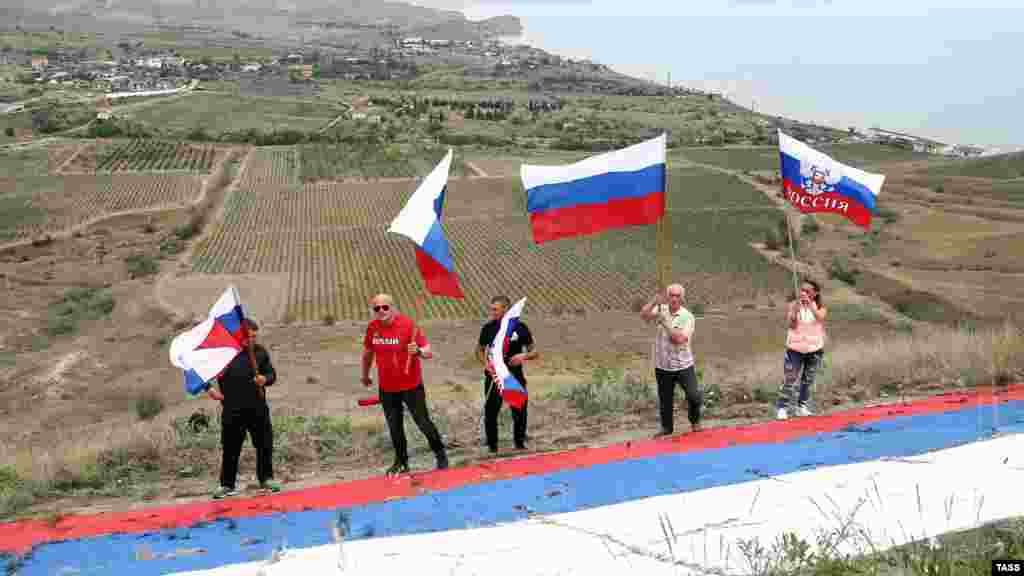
<point x="518" y="347"/>
<point x="805" y="348"/>
<point x="815" y="182"/>
<point x="673" y="356"/>
<point x="244" y="409"/>
<point x="394" y="341"/>
<point x="223" y="349"/>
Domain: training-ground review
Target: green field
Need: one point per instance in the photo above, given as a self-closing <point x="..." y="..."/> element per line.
<point x="866" y="155"/>
<point x="712" y="219"/>
<point x="40" y="39"/>
<point x="331" y="239"/>
<point x="336" y="161"/>
<point x="758" y="158"/>
<point x="17" y="121"/>
<point x="222" y="113"/>
<point x="1000" y="167"/>
<point x="750" y="158"/>
<point x="18" y="164"/>
<point x="1012" y="191"/>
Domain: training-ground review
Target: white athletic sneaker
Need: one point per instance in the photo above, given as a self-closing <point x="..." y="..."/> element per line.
<point x="803" y="410"/>
<point x="781" y="414"/>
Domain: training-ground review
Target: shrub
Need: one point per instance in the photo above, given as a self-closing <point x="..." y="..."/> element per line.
<point x="841" y="270"/>
<point x="148" y="405"/>
<point x="888" y="215"/>
<point x="171" y="245"/>
<point x="78" y="304"/>
<point x="139" y="265"/>
<point x="608" y="390"/>
<point x="810" y="226"/>
<point x="189" y="230"/>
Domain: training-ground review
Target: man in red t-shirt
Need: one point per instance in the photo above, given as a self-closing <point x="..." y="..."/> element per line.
<point x="390" y="340"/>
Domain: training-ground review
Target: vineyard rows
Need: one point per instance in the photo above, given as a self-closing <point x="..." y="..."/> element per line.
<point x="144" y="155"/>
<point x="271" y="166"/>
<point x="58" y="154"/>
<point x="333" y="270"/>
<point x="72" y="200"/>
<point x="336" y="161"/>
<point x="331" y="239"/>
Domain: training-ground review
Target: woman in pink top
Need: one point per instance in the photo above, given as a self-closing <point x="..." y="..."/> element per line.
<point x="805" y="346"/>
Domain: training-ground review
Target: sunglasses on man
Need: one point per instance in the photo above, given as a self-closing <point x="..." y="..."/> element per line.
<point x="381" y="308"/>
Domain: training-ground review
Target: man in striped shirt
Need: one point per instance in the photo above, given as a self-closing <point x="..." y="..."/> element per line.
<point x="673" y="355"/>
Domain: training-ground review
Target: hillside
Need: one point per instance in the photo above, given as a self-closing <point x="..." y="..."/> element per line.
<point x="376" y="22"/>
<point x="119" y="235"/>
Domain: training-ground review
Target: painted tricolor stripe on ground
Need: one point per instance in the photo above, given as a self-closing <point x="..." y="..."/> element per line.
<point x="699" y="480"/>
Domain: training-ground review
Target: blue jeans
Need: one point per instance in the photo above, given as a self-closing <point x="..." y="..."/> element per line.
<point x="798" y="366"/>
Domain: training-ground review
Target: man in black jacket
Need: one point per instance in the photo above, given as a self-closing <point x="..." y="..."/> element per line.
<point x="518" y="348"/>
<point x="244" y="409"/>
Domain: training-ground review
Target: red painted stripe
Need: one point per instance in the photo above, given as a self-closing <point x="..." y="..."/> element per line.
<point x="21" y="536"/>
<point x="585" y="219"/>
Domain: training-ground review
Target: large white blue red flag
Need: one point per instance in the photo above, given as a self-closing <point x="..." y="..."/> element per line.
<point x="420" y="221"/>
<point x="814" y="182"/>
<point x="206" y="350"/>
<point x="510" y="388"/>
<point x="901" y="473"/>
<point x="616" y="189"/>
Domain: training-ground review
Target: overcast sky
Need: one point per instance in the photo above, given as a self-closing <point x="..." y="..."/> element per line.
<point x="938" y="68"/>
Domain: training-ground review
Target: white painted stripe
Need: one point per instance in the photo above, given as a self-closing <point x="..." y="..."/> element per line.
<point x="888" y="502"/>
<point x="629" y="159"/>
<point x="807" y="155"/>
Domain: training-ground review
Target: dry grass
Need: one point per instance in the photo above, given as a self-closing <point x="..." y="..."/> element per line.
<point x="132" y="458"/>
<point x="928" y="357"/>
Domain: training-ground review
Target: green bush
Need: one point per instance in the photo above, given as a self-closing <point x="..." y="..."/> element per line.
<point x="608" y="390"/>
<point x="841" y="270"/>
<point x="810" y="226"/>
<point x="139" y="265"/>
<point x="148" y="405"/>
<point x="76" y="305"/>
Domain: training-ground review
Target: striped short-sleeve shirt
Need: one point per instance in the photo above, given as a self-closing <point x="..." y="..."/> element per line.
<point x="669" y="356"/>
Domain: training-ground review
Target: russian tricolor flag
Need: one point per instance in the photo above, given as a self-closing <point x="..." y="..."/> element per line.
<point x="206" y="350"/>
<point x="612" y="190"/>
<point x="511" y="389"/>
<point x="814" y="182"/>
<point x="420" y="221"/>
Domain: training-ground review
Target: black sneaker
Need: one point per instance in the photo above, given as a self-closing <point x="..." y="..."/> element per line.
<point x="398" y="468"/>
<point x="520" y="445"/>
<point x="224" y="492"/>
<point x="442" y="460"/>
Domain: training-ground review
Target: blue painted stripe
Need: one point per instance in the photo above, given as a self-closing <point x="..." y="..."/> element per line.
<point x="848" y="187"/>
<point x="435" y="245"/>
<point x="600" y="189"/>
<point x="250" y="539"/>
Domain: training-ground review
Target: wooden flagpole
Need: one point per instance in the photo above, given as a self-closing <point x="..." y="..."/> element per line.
<point x="416" y="330"/>
<point x="255" y="369"/>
